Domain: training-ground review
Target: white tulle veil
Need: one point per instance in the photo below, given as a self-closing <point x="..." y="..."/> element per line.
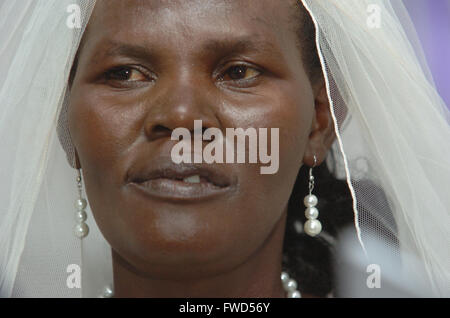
<point x="392" y="128"/>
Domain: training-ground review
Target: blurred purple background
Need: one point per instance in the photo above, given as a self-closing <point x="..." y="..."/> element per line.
<point x="432" y="21"/>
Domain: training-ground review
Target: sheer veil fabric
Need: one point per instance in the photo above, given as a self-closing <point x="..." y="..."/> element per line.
<point x="392" y="146"/>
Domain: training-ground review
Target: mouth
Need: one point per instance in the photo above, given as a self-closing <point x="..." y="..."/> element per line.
<point x="182" y="182"/>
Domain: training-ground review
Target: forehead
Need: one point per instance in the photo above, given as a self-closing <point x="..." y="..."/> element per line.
<point x="171" y="19"/>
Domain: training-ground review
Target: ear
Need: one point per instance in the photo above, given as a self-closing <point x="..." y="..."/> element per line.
<point x="322" y="133"/>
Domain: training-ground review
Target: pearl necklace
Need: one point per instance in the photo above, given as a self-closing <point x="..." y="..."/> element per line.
<point x="289" y="285"/>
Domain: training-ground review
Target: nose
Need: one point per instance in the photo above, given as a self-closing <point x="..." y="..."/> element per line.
<point x="178" y="102"/>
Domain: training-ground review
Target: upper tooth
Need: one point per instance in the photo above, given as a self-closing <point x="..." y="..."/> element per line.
<point x="192" y="179"/>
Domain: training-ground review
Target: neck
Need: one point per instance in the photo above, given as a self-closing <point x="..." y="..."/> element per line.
<point x="256" y="277"/>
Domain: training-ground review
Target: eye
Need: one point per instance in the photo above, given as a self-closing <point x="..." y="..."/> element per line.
<point x="240" y="73"/>
<point x="125" y="74"/>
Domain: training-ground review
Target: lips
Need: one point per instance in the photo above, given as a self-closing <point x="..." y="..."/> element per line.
<point x="182" y="172"/>
<point x="163" y="179"/>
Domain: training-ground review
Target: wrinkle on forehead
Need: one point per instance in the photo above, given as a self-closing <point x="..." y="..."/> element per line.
<point x="161" y="7"/>
<point x="273" y="11"/>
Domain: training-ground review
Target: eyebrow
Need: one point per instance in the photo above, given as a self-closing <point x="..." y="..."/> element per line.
<point x="224" y="46"/>
<point x="131" y="50"/>
<point x="240" y="45"/>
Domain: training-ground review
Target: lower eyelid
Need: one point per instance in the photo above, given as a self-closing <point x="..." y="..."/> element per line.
<point x="242" y="83"/>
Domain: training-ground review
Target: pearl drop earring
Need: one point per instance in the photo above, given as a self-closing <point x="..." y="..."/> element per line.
<point x="312" y="226"/>
<point x="81" y="229"/>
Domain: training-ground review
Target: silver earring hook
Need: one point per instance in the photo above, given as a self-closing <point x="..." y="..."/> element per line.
<point x="79" y="184"/>
<point x="311" y="177"/>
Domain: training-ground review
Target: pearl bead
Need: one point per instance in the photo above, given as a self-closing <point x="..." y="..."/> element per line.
<point x="294" y="294"/>
<point x="81" y="230"/>
<point x="80" y="216"/>
<point x="291" y="285"/>
<point x="313" y="227"/>
<point x="108" y="292"/>
<point x="80" y="204"/>
<point x="284" y="277"/>
<point x="310" y="200"/>
<point x="311" y="213"/>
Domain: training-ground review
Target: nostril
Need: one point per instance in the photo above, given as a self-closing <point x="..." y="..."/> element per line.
<point x="160" y="129"/>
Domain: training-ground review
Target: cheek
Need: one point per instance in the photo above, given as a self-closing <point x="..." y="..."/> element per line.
<point x="290" y="109"/>
<point x="100" y="129"/>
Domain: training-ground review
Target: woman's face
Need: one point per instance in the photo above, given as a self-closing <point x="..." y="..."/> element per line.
<point x="148" y="67"/>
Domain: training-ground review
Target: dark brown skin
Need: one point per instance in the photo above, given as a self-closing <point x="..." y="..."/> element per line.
<point x="226" y="247"/>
